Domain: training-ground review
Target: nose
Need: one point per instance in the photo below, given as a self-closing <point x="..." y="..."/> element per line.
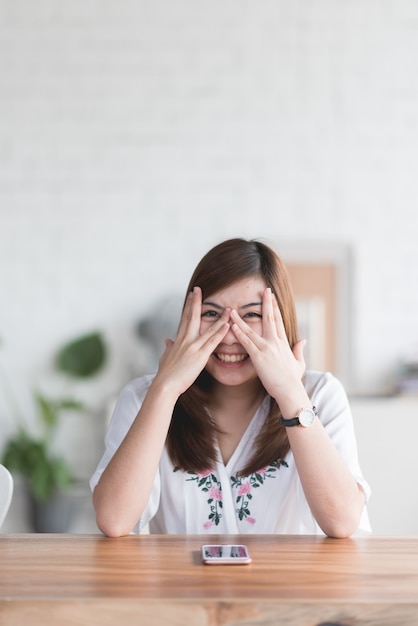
<point x="229" y="338"/>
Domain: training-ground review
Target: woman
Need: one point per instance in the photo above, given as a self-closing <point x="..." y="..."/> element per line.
<point x="231" y="434"/>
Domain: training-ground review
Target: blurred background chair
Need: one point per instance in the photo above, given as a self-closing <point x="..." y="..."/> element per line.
<point x="6" y="492"/>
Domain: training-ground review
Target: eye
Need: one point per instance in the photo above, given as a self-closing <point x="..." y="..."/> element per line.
<point x="252" y="316"/>
<point x="210" y="313"/>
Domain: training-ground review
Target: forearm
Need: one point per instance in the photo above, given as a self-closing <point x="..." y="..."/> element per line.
<point x="336" y="500"/>
<point x="334" y="497"/>
<point x="123" y="490"/>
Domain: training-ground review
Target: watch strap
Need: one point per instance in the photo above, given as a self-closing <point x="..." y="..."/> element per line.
<point x="294" y="421"/>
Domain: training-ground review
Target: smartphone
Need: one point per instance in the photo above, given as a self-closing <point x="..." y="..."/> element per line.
<point x="225" y="554"/>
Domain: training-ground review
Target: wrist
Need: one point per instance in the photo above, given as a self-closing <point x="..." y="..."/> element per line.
<point x="291" y="404"/>
<point x="163" y="388"/>
<point x="305" y="417"/>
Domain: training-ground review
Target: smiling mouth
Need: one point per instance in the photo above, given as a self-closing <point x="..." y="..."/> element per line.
<point x="231" y="358"/>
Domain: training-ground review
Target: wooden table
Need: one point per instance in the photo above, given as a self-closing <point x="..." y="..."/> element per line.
<point x="158" y="580"/>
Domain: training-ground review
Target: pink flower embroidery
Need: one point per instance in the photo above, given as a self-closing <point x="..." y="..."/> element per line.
<point x="244" y="489"/>
<point x="215" y="493"/>
<point x="205" y="473"/>
<point x="207" y="525"/>
<point x="246" y="486"/>
<point x="208" y="482"/>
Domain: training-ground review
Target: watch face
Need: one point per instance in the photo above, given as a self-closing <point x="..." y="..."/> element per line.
<point x="306" y="417"/>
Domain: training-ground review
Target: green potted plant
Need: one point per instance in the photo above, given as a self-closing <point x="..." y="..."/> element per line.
<point x="47" y="475"/>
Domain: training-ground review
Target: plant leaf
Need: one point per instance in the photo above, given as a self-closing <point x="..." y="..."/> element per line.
<point x="82" y="357"/>
<point x="47" y="411"/>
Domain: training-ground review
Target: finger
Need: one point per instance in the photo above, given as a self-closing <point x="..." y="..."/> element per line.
<point x="214" y="339"/>
<point x="269" y="321"/>
<point x="191" y="313"/>
<point x="244" y="334"/>
<point x="298" y="349"/>
<point x="185" y="314"/>
<point x="218" y="330"/>
<point x="168" y="345"/>
<point x="278" y="319"/>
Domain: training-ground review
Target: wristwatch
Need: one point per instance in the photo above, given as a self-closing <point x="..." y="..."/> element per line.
<point x="305" y="418"/>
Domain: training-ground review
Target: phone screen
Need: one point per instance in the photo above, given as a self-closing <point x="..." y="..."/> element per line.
<point x="225" y="554"/>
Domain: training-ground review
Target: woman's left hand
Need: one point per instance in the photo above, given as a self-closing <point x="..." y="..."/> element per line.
<point x="277" y="365"/>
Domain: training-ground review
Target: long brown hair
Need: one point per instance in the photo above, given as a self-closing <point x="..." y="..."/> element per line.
<point x="192" y="434"/>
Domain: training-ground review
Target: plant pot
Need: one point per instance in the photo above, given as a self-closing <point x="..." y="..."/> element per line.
<point x="54" y="515"/>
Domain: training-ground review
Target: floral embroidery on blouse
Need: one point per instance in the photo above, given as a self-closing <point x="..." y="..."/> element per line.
<point x="208" y="482"/>
<point x="246" y="484"/>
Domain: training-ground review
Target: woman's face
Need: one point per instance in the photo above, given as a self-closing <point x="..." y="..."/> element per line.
<point x="230" y="364"/>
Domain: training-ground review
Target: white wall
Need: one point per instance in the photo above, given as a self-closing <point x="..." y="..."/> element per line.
<point x="135" y="134"/>
<point x="387" y="449"/>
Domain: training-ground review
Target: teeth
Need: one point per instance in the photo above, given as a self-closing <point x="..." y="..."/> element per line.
<point x="231" y="358"/>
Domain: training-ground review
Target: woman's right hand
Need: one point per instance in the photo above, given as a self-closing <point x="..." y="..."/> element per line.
<point x="124" y="488"/>
<point x="186" y="356"/>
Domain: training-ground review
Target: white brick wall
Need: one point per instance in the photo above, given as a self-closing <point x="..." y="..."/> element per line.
<point x="135" y="134"/>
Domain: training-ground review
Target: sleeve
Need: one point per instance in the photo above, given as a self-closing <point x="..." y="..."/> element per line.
<point x="126" y="409"/>
<point x="329" y="397"/>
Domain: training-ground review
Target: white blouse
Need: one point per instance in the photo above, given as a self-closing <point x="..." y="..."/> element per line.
<point x="270" y="500"/>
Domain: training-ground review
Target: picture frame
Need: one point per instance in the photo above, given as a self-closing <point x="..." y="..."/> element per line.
<point x="321" y="279"/>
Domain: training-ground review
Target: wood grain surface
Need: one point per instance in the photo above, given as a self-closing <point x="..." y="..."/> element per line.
<point x="160" y="579"/>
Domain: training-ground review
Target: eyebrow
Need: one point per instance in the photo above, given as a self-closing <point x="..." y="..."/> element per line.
<point x="221" y="308"/>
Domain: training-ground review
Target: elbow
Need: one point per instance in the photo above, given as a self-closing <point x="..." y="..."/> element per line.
<point x="340" y="531"/>
<point x="343" y="518"/>
<point x="113" y="533"/>
<point x="108" y="520"/>
<point x="111" y="528"/>
<point x="341" y="527"/>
